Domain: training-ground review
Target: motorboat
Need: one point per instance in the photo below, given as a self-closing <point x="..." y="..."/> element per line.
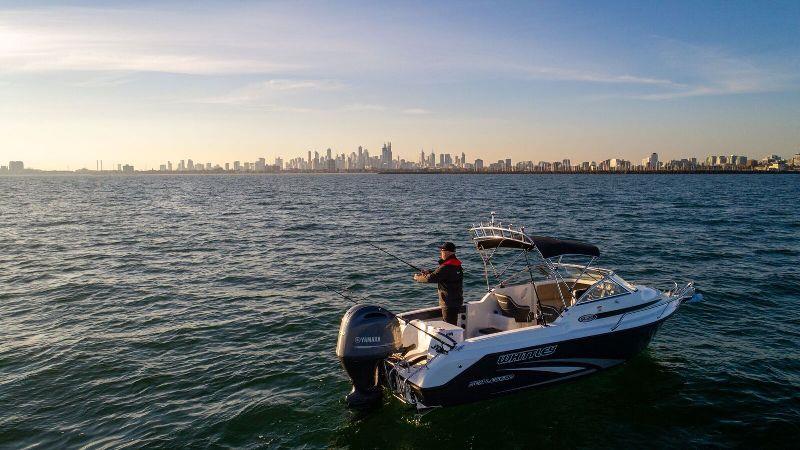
<point x="543" y="320"/>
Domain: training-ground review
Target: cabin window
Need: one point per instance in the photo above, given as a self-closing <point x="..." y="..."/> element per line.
<point x="603" y="289"/>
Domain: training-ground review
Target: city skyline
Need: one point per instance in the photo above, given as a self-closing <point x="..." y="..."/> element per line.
<point x="387" y="161"/>
<point x="112" y="164"/>
<point x="139" y="82"/>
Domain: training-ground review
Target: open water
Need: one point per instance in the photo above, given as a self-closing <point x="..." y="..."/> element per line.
<point x="189" y="311"/>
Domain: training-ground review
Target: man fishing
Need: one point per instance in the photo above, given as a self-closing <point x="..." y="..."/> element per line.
<point x="450" y="278"/>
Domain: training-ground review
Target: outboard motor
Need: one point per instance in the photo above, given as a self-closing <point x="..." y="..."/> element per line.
<point x="367" y="336"/>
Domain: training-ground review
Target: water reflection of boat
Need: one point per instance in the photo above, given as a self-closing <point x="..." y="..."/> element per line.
<point x="542" y="321"/>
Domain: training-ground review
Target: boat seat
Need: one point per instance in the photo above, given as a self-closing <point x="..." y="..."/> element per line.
<point x="510" y="308"/>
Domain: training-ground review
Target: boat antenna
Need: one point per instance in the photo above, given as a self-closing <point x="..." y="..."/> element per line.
<point x="396" y="257"/>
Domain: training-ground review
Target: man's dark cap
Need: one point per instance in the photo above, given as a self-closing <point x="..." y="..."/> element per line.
<point x="449" y="246"/>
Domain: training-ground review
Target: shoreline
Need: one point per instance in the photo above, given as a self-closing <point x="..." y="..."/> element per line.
<point x="396" y="172"/>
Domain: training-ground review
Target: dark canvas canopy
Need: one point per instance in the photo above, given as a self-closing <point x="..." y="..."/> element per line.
<point x="549" y="247"/>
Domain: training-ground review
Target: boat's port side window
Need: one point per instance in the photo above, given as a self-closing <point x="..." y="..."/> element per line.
<point x="603" y="289"/>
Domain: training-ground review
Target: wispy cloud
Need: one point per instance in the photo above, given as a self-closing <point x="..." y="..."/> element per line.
<point x="713" y="71"/>
<point x="103" y="81"/>
<point x="265" y="92"/>
<point x="563" y="74"/>
<point x="75" y="40"/>
<point x="416" y="111"/>
<point x="297" y="84"/>
<point x="359" y="107"/>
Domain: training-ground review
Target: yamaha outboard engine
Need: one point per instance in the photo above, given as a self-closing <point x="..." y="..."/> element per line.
<point x="367" y="336"/>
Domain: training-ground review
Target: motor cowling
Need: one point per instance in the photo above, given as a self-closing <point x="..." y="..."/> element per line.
<point x="367" y="336"/>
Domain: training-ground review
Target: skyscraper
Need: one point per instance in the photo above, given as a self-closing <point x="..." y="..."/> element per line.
<point x="16" y="167"/>
<point x="386" y="156"/>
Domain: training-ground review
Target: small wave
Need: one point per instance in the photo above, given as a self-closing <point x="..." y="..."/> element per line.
<point x="304" y="227"/>
<point x="777" y="251"/>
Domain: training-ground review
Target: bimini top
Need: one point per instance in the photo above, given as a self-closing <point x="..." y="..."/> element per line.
<point x="494" y="235"/>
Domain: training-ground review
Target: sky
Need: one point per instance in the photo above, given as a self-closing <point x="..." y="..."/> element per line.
<point x="143" y="82"/>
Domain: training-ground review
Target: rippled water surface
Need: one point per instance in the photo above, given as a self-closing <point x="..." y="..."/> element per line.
<point x="166" y="311"/>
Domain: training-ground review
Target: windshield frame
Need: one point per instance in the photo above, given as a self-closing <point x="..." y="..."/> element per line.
<point x="612" y="277"/>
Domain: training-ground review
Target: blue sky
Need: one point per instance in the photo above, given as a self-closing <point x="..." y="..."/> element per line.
<point x="145" y="82"/>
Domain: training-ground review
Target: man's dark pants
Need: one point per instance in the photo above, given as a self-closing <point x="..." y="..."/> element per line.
<point x="450" y="313"/>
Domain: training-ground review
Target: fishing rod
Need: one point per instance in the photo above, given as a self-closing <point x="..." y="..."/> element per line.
<point x="397" y="258"/>
<point x="451" y="345"/>
<point x="389" y="253"/>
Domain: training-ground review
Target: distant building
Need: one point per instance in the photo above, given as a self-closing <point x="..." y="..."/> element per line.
<point x="508" y="164"/>
<point x="446" y="160"/>
<point x="127" y="168"/>
<point x="796" y="160"/>
<point x="479" y="165"/>
<point x="386" y="156"/>
<point x="16" y="167"/>
<point x="651" y="162"/>
<point x="771" y="159"/>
